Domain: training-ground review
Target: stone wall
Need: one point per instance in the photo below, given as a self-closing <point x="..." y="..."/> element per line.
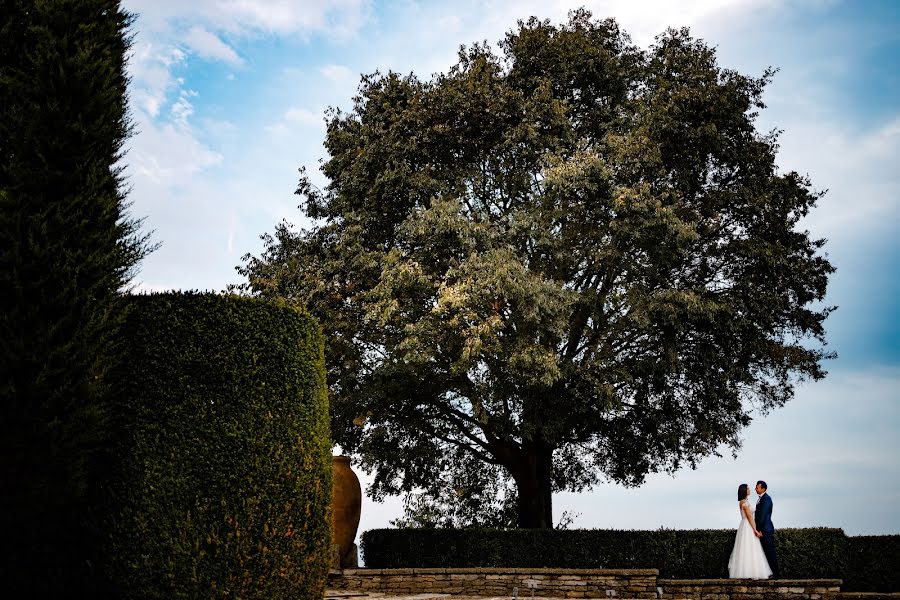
<point x="746" y="589"/>
<point x="559" y="583"/>
<point x="578" y="583"/>
<point x="865" y="596"/>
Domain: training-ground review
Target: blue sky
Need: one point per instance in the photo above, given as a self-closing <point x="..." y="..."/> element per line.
<point x="228" y="99"/>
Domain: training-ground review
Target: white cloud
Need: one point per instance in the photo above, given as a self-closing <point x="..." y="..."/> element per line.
<point x="208" y="45"/>
<point x="278" y="128"/>
<point x="341" y="18"/>
<point x="857" y="167"/>
<point x="150" y="70"/>
<point x="338" y="73"/>
<point x="165" y="155"/>
<point x="304" y="116"/>
<point x="338" y="17"/>
<point x="476" y="21"/>
<point x="182" y="109"/>
<point x="645" y="20"/>
<point x="298" y="117"/>
<point x="165" y="152"/>
<point x="221" y="132"/>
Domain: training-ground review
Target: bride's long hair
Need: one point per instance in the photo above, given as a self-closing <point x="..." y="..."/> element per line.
<point x="742" y="491"/>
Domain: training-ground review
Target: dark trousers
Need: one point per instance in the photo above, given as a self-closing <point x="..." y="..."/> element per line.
<point x="768" y="545"/>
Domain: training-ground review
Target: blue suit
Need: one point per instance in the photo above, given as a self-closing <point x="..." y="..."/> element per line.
<point x="763" y="518"/>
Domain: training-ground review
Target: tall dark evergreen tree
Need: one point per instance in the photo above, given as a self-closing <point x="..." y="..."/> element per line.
<point x="67" y="250"/>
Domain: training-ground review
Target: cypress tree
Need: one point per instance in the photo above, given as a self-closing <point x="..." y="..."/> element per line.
<point x="67" y="252"/>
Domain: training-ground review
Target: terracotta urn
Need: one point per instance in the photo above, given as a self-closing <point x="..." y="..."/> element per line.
<point x="346" y="502"/>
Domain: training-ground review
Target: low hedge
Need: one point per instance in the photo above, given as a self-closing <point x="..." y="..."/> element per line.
<point x="873" y="564"/>
<point x="222" y="484"/>
<point x="803" y="553"/>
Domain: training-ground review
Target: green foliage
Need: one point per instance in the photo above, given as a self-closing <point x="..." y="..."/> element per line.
<point x="223" y="486"/>
<point x="804" y="553"/>
<point x="67" y="250"/>
<point x="468" y="494"/>
<point x="575" y="261"/>
<point x="864" y="563"/>
<point x="816" y="553"/>
<point x="873" y="564"/>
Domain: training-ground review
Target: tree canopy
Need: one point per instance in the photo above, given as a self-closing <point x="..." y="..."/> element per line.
<point x="573" y="262"/>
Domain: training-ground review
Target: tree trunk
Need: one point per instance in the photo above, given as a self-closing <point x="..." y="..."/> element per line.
<point x="532" y="474"/>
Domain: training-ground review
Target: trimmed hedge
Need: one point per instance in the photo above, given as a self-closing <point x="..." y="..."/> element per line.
<point x="873" y="564"/>
<point x="803" y="553"/>
<point x="223" y="481"/>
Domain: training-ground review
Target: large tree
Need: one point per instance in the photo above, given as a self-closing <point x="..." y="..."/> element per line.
<point x="67" y="250"/>
<point x="573" y="262"/>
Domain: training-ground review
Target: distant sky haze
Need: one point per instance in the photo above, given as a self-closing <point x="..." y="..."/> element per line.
<point x="228" y="99"/>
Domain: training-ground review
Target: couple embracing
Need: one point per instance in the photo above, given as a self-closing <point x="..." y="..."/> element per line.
<point x="753" y="556"/>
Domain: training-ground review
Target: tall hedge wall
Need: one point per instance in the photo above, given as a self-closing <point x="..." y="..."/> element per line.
<point x="803" y="553"/>
<point x="223" y="464"/>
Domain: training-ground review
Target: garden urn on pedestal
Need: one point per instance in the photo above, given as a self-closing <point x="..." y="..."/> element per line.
<point x="346" y="504"/>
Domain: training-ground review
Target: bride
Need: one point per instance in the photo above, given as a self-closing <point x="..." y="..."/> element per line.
<point x="747" y="559"/>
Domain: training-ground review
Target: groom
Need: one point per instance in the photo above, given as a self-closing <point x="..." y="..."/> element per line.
<point x="764" y="527"/>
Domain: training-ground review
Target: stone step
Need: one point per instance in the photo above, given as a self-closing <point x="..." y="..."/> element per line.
<point x="349" y="595"/>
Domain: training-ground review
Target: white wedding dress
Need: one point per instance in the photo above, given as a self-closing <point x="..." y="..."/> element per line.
<point x="747" y="558"/>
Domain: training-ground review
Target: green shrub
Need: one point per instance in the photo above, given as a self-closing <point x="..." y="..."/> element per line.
<point x="873" y="564"/>
<point x="864" y="563"/>
<point x="812" y="553"/>
<point x="223" y="487"/>
<point x="804" y="553"/>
